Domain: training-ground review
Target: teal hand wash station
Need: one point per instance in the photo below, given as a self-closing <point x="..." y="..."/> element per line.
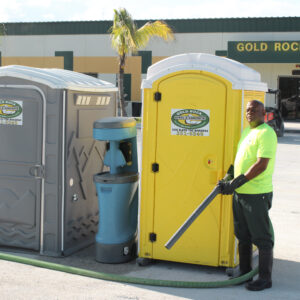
<point x="117" y="190"/>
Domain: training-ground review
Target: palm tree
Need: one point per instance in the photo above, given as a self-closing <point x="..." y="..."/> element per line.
<point x="2" y="29"/>
<point x="126" y="39"/>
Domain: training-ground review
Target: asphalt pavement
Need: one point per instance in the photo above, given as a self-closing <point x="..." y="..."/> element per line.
<point x="19" y="281"/>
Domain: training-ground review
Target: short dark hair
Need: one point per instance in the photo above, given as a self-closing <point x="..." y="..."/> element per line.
<point x="258" y="103"/>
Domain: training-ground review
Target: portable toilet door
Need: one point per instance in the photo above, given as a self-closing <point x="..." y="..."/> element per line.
<point x="191" y="122"/>
<point x="22" y="125"/>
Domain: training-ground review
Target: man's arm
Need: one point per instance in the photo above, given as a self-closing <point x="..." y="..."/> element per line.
<point x="228" y="187"/>
<point x="257" y="168"/>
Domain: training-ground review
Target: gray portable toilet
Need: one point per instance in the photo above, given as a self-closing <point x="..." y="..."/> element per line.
<point x="48" y="157"/>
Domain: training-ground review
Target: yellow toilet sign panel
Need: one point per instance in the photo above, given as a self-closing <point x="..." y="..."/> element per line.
<point x="190" y="122"/>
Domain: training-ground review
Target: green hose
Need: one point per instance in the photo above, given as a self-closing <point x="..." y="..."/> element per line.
<point x="126" y="279"/>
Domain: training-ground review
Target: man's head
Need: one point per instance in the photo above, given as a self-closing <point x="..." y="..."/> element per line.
<point x="255" y="113"/>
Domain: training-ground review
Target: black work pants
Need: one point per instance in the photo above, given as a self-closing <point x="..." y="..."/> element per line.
<point x="251" y="219"/>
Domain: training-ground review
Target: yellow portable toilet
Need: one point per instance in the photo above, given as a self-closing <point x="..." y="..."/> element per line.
<point x="193" y="114"/>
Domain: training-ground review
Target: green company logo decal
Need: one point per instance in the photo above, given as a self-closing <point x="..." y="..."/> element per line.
<point x="190" y="118"/>
<point x="9" y="109"/>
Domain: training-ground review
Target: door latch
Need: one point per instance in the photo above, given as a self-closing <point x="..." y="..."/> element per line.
<point x="37" y="171"/>
<point x="152" y="237"/>
<point x="155" y="167"/>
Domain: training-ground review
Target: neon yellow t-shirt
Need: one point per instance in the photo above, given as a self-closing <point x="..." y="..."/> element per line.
<point x="260" y="141"/>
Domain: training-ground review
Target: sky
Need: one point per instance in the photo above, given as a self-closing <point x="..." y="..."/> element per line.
<point x="86" y="10"/>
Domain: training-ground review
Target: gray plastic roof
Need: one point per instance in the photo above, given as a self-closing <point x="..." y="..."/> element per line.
<point x="58" y="78"/>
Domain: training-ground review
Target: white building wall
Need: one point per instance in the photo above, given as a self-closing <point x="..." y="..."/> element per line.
<point x="108" y="77"/>
<point x="210" y="42"/>
<point x="269" y="74"/>
<point x="46" y="45"/>
<point x="100" y="44"/>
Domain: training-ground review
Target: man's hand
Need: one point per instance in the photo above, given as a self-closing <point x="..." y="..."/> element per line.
<point x="228" y="187"/>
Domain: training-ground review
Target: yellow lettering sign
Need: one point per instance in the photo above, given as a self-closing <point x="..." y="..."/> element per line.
<point x="288" y="46"/>
<point x="256" y="49"/>
<point x="252" y="47"/>
<point x="263" y="46"/>
<point x="295" y="46"/>
<point x="240" y="47"/>
<point x="285" y="46"/>
<point x="277" y="46"/>
<point x="249" y="47"/>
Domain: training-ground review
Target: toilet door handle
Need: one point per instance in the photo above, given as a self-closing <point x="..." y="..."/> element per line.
<point x="37" y="171"/>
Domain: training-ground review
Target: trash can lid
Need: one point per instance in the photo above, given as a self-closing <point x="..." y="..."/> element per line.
<point x="115" y="122"/>
<point x="108" y="178"/>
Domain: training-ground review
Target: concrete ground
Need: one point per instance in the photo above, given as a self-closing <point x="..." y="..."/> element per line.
<point x="20" y="281"/>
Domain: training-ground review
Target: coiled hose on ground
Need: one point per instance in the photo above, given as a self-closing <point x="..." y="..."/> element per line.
<point x="126" y="279"/>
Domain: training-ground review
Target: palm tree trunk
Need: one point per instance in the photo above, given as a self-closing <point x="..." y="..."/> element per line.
<point x="121" y="84"/>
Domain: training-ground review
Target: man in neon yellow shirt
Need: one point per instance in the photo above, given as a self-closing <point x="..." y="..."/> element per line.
<point x="253" y="192"/>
